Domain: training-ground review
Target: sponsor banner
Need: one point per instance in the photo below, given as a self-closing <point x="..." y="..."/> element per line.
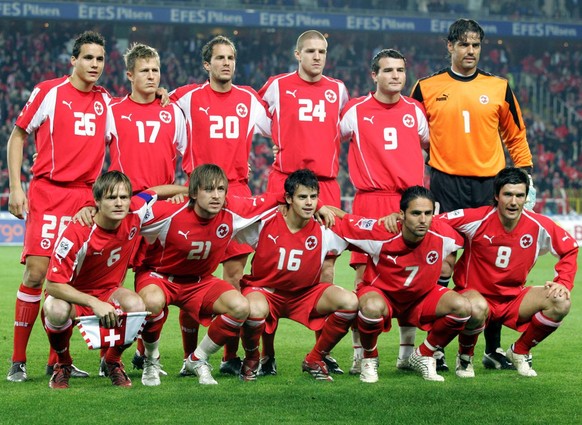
<point x="11" y="230"/>
<point x="570" y="223"/>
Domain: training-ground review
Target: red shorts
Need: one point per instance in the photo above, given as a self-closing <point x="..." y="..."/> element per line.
<point x="104" y="296"/>
<point x="297" y="305"/>
<point x="235" y="248"/>
<point x="420" y="313"/>
<point x="375" y="205"/>
<point x="329" y="190"/>
<point x="195" y="295"/>
<point x="506" y="310"/>
<point x="51" y="207"/>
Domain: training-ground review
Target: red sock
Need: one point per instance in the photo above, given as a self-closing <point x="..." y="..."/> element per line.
<point x="444" y="330"/>
<point x="52" y="357"/>
<point x="60" y="338"/>
<point x="335" y="327"/>
<point x="25" y="314"/>
<point x="250" y="335"/>
<point x="189" y="328"/>
<point x="539" y="328"/>
<point x="370" y="330"/>
<point x="113" y="354"/>
<point x="268" y="349"/>
<point x="468" y="340"/>
<point x="224" y="327"/>
<point x="153" y="328"/>
<point x="230" y="349"/>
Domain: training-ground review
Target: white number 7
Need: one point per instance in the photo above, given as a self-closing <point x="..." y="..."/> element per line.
<point x="413" y="270"/>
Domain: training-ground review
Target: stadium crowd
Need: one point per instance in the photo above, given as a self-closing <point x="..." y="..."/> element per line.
<point x="33" y="54"/>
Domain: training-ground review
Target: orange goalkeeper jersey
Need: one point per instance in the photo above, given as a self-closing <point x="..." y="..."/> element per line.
<point x="468" y="118"/>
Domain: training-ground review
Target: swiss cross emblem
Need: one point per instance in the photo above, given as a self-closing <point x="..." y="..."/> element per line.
<point x="98" y="107"/>
<point x="111" y="339"/>
<point x="484" y="99"/>
<point x="432" y="257"/>
<point x="526" y="241"/>
<point x="330" y="96"/>
<point x="222" y="231"/>
<point x="311" y="243"/>
<point x="242" y="110"/>
<point x="408" y="120"/>
<point x="165" y="117"/>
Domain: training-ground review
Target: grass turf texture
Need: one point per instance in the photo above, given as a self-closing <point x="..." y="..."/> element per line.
<point x="294" y="397"/>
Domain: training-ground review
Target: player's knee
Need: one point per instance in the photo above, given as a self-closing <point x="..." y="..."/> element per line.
<point x="258" y="310"/>
<point x="460" y="306"/>
<point x="56" y="311"/>
<point x="347" y="301"/>
<point x="479" y="311"/>
<point x="153" y="298"/>
<point x="372" y="308"/>
<point x="133" y="302"/>
<point x="239" y="308"/>
<point x="561" y="306"/>
<point x="34" y="276"/>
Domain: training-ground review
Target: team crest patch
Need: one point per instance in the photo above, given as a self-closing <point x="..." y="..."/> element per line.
<point x="484" y="99"/>
<point x="331" y="96"/>
<point x="526" y="241"/>
<point x="242" y="110"/>
<point x="132" y="233"/>
<point x="165" y="117"/>
<point x="222" y="231"/>
<point x="455" y="214"/>
<point x="408" y="120"/>
<point x="45" y="244"/>
<point x="432" y="257"/>
<point x="64" y="247"/>
<point x="366" y="223"/>
<point x="311" y="243"/>
<point x="98" y="108"/>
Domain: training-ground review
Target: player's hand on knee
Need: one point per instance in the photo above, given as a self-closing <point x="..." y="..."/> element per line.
<point x="556" y="290"/>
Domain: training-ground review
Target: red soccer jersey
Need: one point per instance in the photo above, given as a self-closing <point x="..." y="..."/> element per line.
<point x="288" y="261"/>
<point x="184" y="244"/>
<point x="222" y="126"/>
<point x="144" y="140"/>
<point x="69" y="128"/>
<point x="404" y="272"/>
<point x="496" y="262"/>
<point x="386" y="143"/>
<point x="94" y="259"/>
<point x="306" y="119"/>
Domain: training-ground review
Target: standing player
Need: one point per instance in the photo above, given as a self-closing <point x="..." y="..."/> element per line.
<point x="223" y="118"/>
<point x="305" y="106"/>
<point x="144" y="137"/>
<point x="87" y="270"/>
<point x="189" y="241"/>
<point x="67" y="116"/>
<point x="504" y="242"/>
<point x="387" y="133"/>
<point x="287" y="284"/>
<point x="469" y="113"/>
<point x="400" y="281"/>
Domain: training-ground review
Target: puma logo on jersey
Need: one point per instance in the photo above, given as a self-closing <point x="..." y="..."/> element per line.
<point x="69" y="104"/>
<point x="184" y="234"/>
<point x="98" y="252"/>
<point x="292" y="93"/>
<point x="565" y="238"/>
<point x="392" y="258"/>
<point x="371" y="119"/>
<point x="200" y="108"/>
<point x="126" y="117"/>
<point x="273" y="238"/>
<point x="489" y="238"/>
<point x="442" y="98"/>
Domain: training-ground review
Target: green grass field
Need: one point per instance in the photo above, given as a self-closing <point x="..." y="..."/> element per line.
<point x="292" y="397"/>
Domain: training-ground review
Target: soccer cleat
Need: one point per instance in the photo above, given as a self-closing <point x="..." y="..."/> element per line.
<point x="403" y="364"/>
<point x="356" y="362"/>
<point x="116" y="373"/>
<point x="231" y="366"/>
<point x="317" y="369"/>
<point x="138" y="360"/>
<point x="202" y="370"/>
<point x="103" y="368"/>
<point x="464" y="366"/>
<point x="60" y="378"/>
<point x="441" y="362"/>
<point x="332" y="365"/>
<point x="17" y="372"/>
<point x="497" y="360"/>
<point x="268" y="366"/>
<point x="425" y="365"/>
<point x="150" y="376"/>
<point x="369" y="370"/>
<point x="249" y="370"/>
<point x="521" y="362"/>
<point x="184" y="371"/>
<point x="75" y="371"/>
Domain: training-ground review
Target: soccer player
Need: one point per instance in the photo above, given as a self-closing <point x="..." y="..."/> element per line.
<point x="470" y="112"/>
<point x="400" y="280"/>
<point x="144" y="137"/>
<point x="67" y="117"/>
<point x="290" y="248"/>
<point x="305" y="106"/>
<point x="189" y="241"/>
<point x="387" y="133"/>
<point x="87" y="270"/>
<point x="223" y="118"/>
<point x="504" y="242"/>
